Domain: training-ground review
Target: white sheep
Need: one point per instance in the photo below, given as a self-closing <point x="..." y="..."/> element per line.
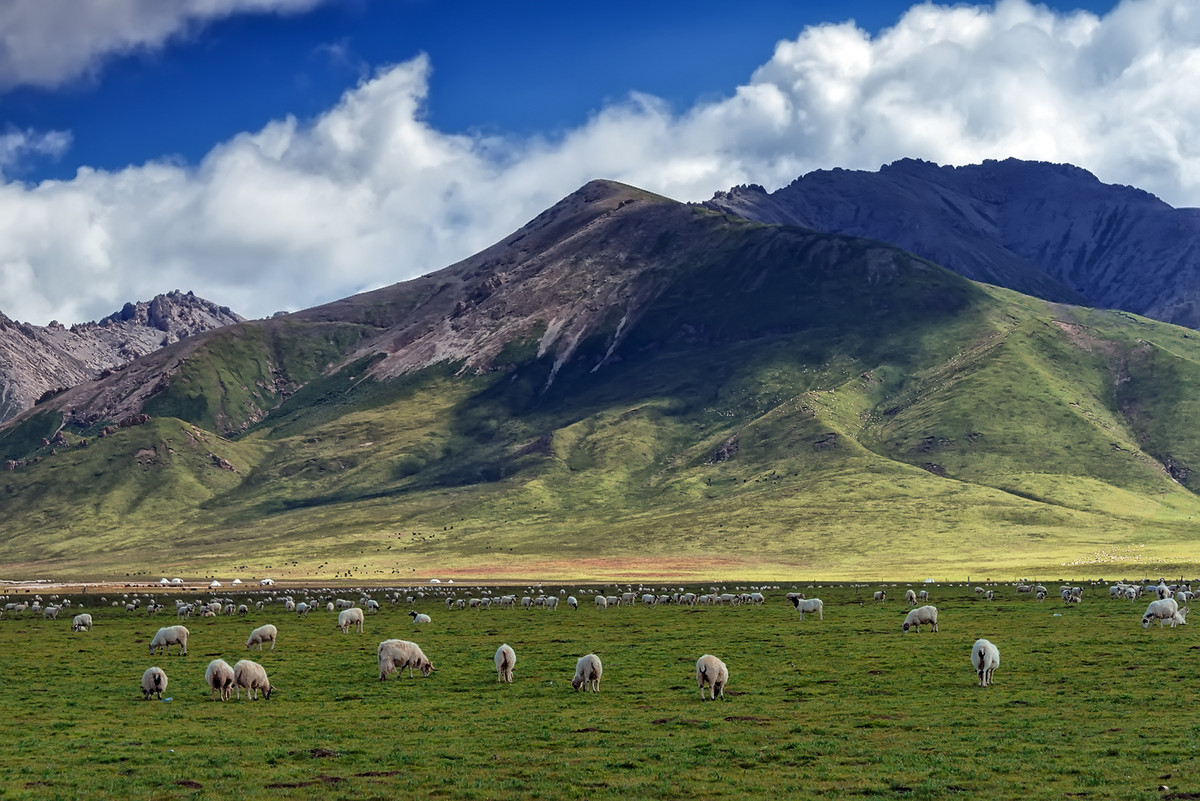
<point x="588" y="671"/>
<point x="395" y="655"/>
<point x="51" y="612"/>
<point x="1163" y="609"/>
<point x="506" y="660"/>
<point x="261" y="635"/>
<point x="920" y="615"/>
<point x="81" y="622"/>
<point x="253" y="677"/>
<point x="711" y="671"/>
<point x="154" y="680"/>
<point x="985" y="658"/>
<point x="350" y="617"/>
<point x="601" y="602"/>
<point x="910" y="597"/>
<point x="880" y="595"/>
<point x="164" y="638"/>
<point x="302" y="609"/>
<point x="809" y="605"/>
<point x="572" y="602"/>
<point x="220" y="678"/>
<point x="419" y="617"/>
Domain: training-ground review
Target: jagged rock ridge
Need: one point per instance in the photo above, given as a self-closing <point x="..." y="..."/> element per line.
<point x="38" y="361"/>
<point x="1054" y="231"/>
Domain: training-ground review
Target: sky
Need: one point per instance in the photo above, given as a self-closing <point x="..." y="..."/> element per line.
<point x="276" y="154"/>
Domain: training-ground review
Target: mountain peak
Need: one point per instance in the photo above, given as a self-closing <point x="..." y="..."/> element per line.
<point x="1050" y="230"/>
<point x="35" y="360"/>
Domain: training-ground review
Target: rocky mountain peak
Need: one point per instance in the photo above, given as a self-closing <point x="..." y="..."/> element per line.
<point x="39" y="360"/>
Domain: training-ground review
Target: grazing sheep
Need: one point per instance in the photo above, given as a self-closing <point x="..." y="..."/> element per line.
<point x="51" y="612"/>
<point x="506" y="660"/>
<point x="302" y="609"/>
<point x="82" y="622"/>
<point x="395" y="655"/>
<point x="588" y="671"/>
<point x="910" y="597"/>
<point x="920" y="615"/>
<point x="164" y="638"/>
<point x="985" y="658"/>
<point x="253" y="677"/>
<point x="923" y="595"/>
<point x="809" y="605"/>
<point x="989" y="595"/>
<point x="419" y="617"/>
<point x="601" y="602"/>
<point x="572" y="602"/>
<point x="261" y="635"/>
<point x="1164" y="609"/>
<point x="220" y="678"/>
<point x="350" y="617"/>
<point x="880" y="595"/>
<point x="711" y="671"/>
<point x="153" y="681"/>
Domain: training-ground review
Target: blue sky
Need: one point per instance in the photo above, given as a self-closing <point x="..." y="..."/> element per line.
<point x="276" y="154"/>
<point x="525" y="69"/>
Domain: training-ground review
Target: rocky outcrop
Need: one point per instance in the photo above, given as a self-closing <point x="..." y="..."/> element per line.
<point x="1050" y="230"/>
<point x="37" y="363"/>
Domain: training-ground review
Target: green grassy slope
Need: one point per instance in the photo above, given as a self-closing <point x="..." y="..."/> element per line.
<point x="785" y="404"/>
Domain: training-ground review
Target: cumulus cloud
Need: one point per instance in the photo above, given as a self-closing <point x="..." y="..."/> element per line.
<point x="369" y="193"/>
<point x="49" y="42"/>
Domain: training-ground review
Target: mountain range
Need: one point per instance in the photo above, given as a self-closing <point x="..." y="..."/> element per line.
<point x="1053" y="231"/>
<point x="38" y="361"/>
<point x="631" y="386"/>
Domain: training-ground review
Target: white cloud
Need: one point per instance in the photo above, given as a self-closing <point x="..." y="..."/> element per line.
<point x="50" y="42"/>
<point x="369" y="193"/>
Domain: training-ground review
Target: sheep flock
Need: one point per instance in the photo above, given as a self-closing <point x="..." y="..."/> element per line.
<point x="399" y="656"/>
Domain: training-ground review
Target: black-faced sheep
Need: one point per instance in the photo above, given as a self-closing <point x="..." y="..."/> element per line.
<point x="506" y="660"/>
<point x="164" y="638"/>
<point x="588" y="671"/>
<point x="985" y="658"/>
<point x="395" y="655"/>
<point x="220" y="678"/>
<point x="419" y="617"/>
<point x="154" y="680"/>
<point x="262" y="634"/>
<point x="809" y="605"/>
<point x="921" y="615"/>
<point x="253" y="677"/>
<point x="910" y="597"/>
<point x="711" y="671"/>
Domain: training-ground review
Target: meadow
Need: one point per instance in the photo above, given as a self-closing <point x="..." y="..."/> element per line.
<point x="1086" y="704"/>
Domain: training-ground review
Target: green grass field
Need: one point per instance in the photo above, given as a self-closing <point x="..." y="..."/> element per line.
<point x="1086" y="704"/>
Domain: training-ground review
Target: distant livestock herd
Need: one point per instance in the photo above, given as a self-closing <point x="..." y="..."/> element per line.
<point x="395" y="655"/>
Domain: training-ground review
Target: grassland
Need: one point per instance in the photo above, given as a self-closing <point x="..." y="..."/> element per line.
<point x="1085" y="704"/>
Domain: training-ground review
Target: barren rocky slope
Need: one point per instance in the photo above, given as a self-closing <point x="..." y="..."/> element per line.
<point x="36" y="361"/>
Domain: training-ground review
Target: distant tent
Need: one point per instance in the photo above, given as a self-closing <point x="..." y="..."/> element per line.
<point x="237" y="582"/>
<point x="266" y="582"/>
<point x="177" y="581"/>
<point x="214" y="584"/>
<point x="163" y="581"/>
